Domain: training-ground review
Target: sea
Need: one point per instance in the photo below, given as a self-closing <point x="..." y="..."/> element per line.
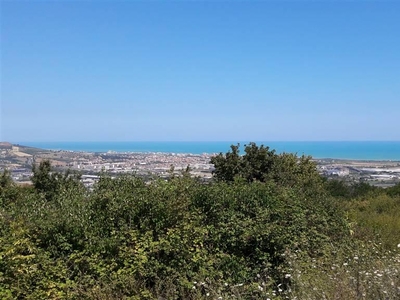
<point x="356" y="150"/>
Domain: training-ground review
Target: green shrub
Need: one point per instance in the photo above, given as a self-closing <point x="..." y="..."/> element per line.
<point x="183" y="239"/>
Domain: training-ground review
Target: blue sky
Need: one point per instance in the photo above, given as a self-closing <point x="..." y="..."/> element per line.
<point x="200" y="70"/>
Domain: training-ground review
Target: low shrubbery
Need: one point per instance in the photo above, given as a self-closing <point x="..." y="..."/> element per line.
<point x="182" y="239"/>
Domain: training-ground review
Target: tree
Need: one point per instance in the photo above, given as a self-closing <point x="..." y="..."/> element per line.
<point x="254" y="165"/>
<point x="257" y="163"/>
<point x="227" y="166"/>
<point x="51" y="183"/>
<point x="261" y="164"/>
<point x="8" y="190"/>
<point x="5" y="180"/>
<point x="42" y="179"/>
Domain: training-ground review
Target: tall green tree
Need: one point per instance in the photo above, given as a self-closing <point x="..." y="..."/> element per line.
<point x="254" y="165"/>
<point x="227" y="166"/>
<point x="7" y="187"/>
<point x="51" y="183"/>
<point x="42" y="179"/>
<point x="261" y="164"/>
<point x="5" y="180"/>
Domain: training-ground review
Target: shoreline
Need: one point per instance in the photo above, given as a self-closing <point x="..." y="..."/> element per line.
<point x="19" y="160"/>
<point x="324" y="150"/>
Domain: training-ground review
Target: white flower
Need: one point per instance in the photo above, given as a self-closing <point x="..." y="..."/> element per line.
<point x="288" y="275"/>
<point x="398" y="245"/>
<point x="240" y="284"/>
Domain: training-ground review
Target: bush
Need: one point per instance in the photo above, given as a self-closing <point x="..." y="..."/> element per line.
<point x="183" y="239"/>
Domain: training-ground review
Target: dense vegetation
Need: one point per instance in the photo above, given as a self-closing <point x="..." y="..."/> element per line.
<point x="267" y="227"/>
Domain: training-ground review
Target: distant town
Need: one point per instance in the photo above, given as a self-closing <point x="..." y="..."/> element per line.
<point x="18" y="159"/>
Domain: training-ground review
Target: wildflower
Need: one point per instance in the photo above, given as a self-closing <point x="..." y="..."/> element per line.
<point x="345" y="264"/>
<point x="355" y="257"/>
<point x="208" y="294"/>
<point x="225" y="284"/>
<point x="260" y="288"/>
<point x="398" y="245"/>
<point x="194" y="287"/>
<point x="288" y="276"/>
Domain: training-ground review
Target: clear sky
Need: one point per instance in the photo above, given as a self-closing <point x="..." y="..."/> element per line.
<point x="200" y="70"/>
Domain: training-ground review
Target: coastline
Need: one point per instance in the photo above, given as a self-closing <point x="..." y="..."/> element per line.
<point x="320" y="150"/>
<point x="19" y="160"/>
